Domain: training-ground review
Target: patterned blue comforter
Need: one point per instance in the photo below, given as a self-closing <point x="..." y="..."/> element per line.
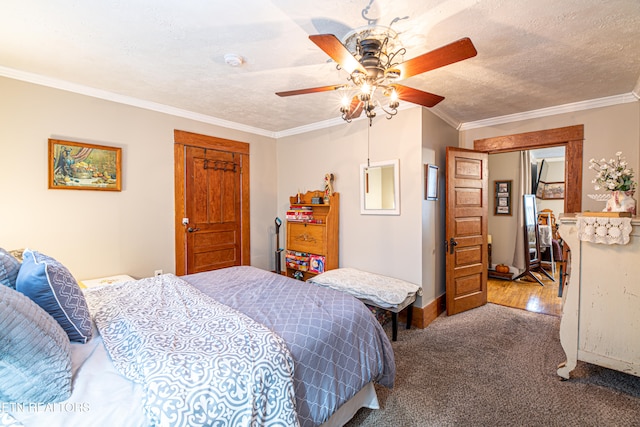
<point x="200" y="362"/>
<point x="336" y="343"/>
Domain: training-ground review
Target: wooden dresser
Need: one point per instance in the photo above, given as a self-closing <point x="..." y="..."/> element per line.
<point x="312" y="234"/>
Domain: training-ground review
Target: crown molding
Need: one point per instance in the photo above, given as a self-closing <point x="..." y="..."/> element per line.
<point x="551" y="111"/>
<point x="128" y="100"/>
<point x="636" y="89"/>
<point x="633" y="96"/>
<point x="310" y="127"/>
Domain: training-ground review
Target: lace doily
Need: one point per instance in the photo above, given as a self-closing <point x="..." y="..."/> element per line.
<point x="606" y="230"/>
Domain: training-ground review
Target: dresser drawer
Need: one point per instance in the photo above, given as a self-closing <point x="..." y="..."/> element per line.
<point x="306" y="238"/>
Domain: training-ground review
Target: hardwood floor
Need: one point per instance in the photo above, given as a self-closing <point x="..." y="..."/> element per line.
<point x="526" y="295"/>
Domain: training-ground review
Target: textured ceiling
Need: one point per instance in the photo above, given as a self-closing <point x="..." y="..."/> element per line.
<point x="531" y="54"/>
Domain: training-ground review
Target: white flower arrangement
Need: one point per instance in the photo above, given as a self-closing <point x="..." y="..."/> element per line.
<point x="614" y="175"/>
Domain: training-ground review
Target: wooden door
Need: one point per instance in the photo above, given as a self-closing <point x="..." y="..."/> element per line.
<point x="212" y="203"/>
<point x="466" y="229"/>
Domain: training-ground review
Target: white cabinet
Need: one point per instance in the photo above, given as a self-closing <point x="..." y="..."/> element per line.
<point x="601" y="312"/>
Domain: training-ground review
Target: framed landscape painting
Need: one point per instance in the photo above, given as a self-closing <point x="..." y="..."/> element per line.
<point x="81" y="166"/>
<point x="553" y="190"/>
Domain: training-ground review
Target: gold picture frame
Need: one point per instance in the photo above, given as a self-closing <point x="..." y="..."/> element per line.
<point x="82" y="166"/>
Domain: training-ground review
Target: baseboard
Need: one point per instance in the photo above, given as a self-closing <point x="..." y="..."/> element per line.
<point x="422" y="316"/>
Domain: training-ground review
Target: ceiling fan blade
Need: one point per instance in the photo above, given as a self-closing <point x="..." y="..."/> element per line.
<point x="416" y="96"/>
<point x="338" y="52"/>
<point x="355" y="108"/>
<point x="445" y="55"/>
<point x="309" y="90"/>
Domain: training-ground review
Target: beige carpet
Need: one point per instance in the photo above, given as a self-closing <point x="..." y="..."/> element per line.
<point x="496" y="366"/>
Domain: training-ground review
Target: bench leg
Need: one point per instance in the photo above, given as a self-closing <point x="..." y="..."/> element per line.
<point x="394" y="326"/>
<point x="394" y="322"/>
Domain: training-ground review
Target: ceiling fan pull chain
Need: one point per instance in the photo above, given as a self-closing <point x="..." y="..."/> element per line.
<point x="369" y="141"/>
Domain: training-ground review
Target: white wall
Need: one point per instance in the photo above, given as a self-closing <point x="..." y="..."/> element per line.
<point x="381" y="244"/>
<point x="97" y="233"/>
<point x="503" y="228"/>
<point x="436" y="136"/>
<point x="606" y="131"/>
<point x="389" y="245"/>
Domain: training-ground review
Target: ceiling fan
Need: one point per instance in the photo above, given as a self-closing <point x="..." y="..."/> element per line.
<point x="372" y="56"/>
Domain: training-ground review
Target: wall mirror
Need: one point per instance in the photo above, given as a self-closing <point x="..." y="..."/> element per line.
<point x="380" y="188"/>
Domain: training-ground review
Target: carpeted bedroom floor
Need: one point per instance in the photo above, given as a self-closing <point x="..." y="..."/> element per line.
<point x="496" y="366"/>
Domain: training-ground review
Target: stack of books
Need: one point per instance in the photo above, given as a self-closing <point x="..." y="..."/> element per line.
<point x="297" y="260"/>
<point x="303" y="261"/>
<point x="300" y="214"/>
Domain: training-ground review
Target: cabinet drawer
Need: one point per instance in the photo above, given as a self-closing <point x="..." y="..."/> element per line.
<point x="306" y="238"/>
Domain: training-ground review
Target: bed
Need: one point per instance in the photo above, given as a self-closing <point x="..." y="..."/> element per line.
<point x="323" y="351"/>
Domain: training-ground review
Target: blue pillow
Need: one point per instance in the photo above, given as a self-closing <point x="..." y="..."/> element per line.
<point x="35" y="366"/>
<point x="9" y="267"/>
<point x="50" y="285"/>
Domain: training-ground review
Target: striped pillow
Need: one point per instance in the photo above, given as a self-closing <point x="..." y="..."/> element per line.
<point x="35" y="366"/>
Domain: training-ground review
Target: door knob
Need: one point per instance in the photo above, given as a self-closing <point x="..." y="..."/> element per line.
<point x="452" y="245"/>
<point x="191" y="229"/>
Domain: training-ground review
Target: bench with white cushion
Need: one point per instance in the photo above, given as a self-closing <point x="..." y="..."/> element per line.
<point x="380" y="291"/>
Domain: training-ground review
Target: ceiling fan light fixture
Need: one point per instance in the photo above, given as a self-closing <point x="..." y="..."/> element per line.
<point x="373" y="58"/>
<point x="378" y="50"/>
<point x="393" y="98"/>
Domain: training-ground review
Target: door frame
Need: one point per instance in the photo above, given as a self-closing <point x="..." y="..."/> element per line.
<point x="570" y="137"/>
<point x="183" y="139"/>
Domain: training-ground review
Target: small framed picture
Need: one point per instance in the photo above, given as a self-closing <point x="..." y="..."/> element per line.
<point x="502" y="197"/>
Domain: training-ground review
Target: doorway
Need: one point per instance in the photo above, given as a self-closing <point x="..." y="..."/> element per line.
<point x="547" y="167"/>
<point x="530" y="297"/>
